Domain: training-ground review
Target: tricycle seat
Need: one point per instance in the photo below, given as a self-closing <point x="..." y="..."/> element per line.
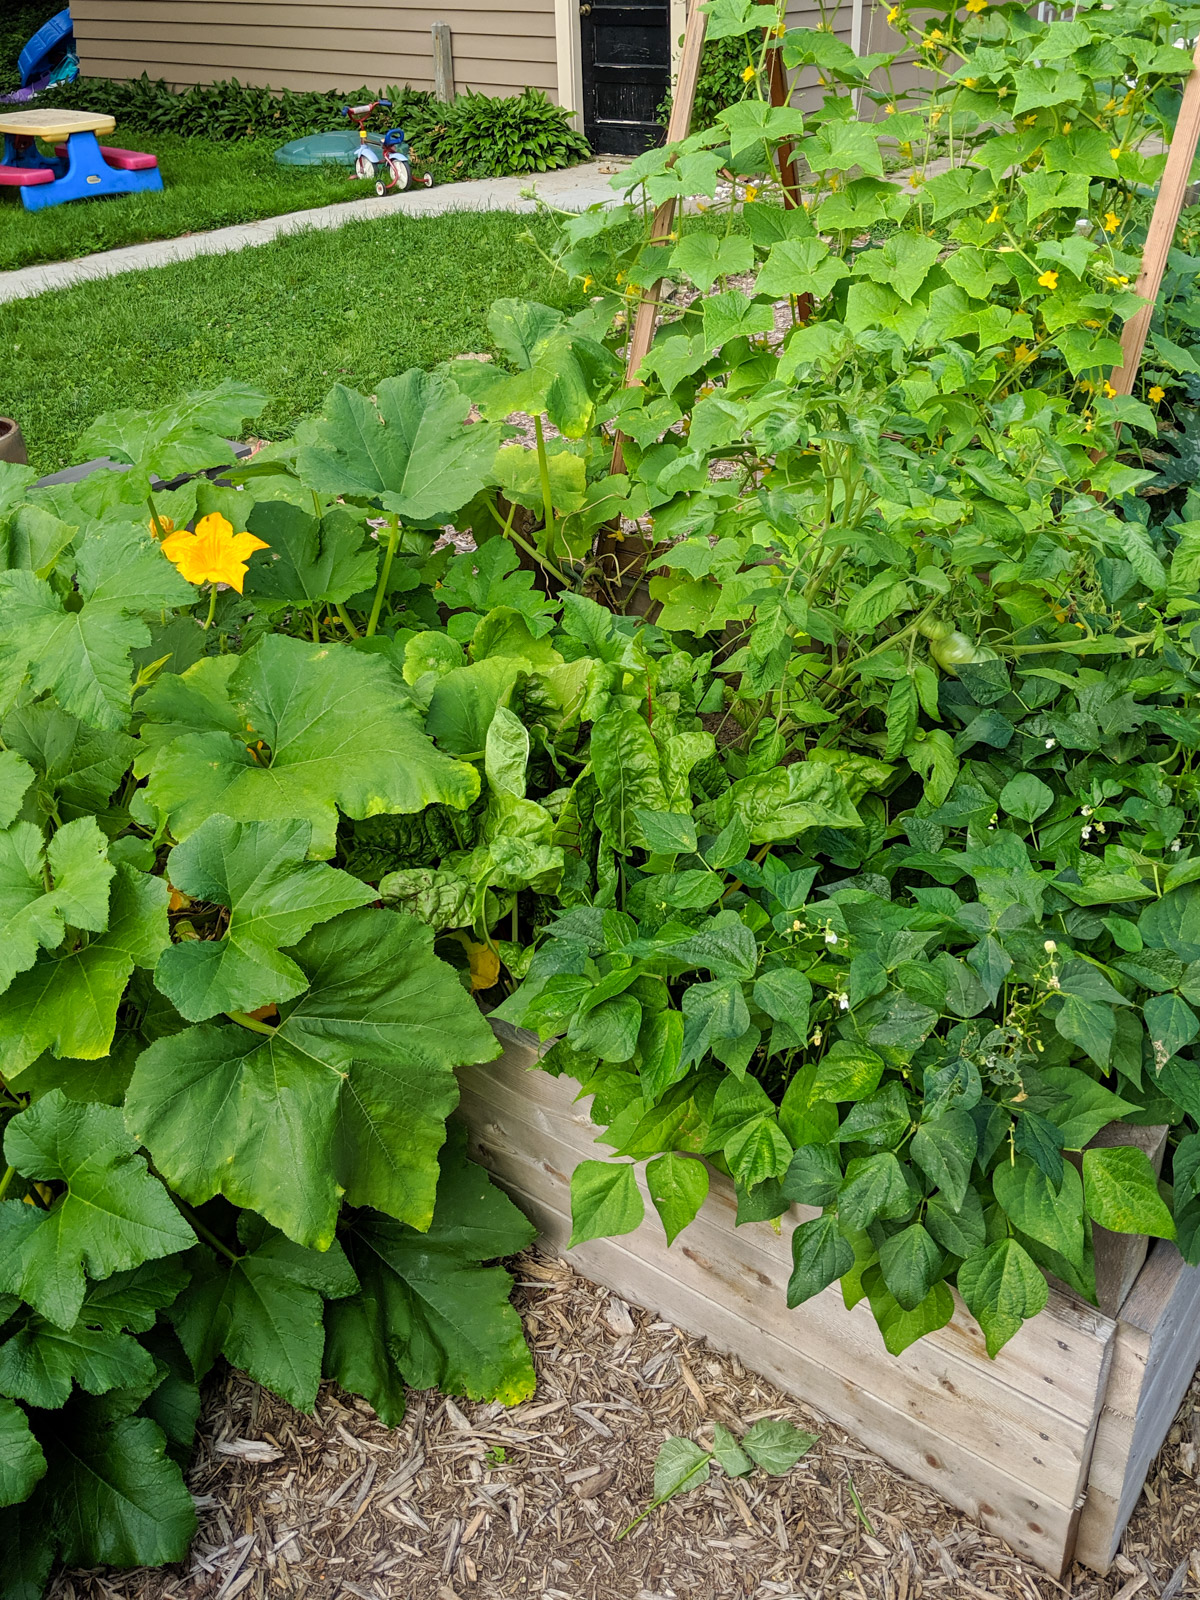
<point x="22" y="177"/>
<point x="123" y="160"/>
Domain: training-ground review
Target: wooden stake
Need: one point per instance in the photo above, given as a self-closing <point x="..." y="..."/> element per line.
<point x="678" y="127"/>
<point x="1161" y="232"/>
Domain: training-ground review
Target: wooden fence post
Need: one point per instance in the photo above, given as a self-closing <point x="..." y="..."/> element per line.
<point x="443" y="62"/>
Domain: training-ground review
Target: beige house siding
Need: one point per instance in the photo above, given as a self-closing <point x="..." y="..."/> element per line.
<point x="500" y="47"/>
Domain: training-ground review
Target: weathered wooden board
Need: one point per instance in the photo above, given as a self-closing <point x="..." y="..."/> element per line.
<point x="1155" y="1354"/>
<point x="1009" y="1441"/>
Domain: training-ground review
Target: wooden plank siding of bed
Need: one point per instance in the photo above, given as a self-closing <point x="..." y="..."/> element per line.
<point x="499" y="47"/>
<point x="1009" y="1441"/>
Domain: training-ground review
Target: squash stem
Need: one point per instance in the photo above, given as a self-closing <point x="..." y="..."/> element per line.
<point x="385" y="572"/>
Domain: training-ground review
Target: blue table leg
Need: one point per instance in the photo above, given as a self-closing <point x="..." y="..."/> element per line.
<point x="88" y="175"/>
<point x="20" y="151"/>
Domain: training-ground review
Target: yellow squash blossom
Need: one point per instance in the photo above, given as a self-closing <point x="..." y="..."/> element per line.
<point x="1111" y="222"/>
<point x="161" y="525"/>
<point x="1049" y="279"/>
<point x="1157" y="394"/>
<point x="214" y="553"/>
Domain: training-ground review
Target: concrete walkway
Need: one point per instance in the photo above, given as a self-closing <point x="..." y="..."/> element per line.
<point x="573" y="189"/>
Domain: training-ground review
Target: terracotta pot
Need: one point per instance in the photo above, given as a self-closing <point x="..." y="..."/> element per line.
<point x="12" y="442"/>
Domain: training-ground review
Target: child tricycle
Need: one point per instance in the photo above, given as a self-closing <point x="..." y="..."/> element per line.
<point x="391" y="152"/>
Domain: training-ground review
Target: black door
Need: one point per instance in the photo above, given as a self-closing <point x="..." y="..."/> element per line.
<point x="626" y="71"/>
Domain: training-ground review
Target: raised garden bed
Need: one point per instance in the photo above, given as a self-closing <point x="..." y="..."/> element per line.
<point x="1047" y="1445"/>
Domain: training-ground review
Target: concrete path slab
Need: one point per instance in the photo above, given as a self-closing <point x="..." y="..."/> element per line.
<point x="573" y="189"/>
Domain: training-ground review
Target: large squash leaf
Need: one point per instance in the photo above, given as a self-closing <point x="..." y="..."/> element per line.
<point x="258" y="870"/>
<point x="42" y="889"/>
<point x="21" y="1460"/>
<point x="67" y="1001"/>
<point x="409" y="448"/>
<point x="118" y="1499"/>
<point x="321" y="726"/>
<point x="185" y="436"/>
<point x="112" y="1216"/>
<point x="349" y="1093"/>
<point x="427" y="1314"/>
<point x="263" y="1311"/>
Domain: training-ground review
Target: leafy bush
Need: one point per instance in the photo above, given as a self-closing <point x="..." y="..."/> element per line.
<point x="485" y="136"/>
<point x="476" y="136"/>
<point x="229" y="109"/>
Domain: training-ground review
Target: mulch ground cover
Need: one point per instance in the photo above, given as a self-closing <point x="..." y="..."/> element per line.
<point x="475" y="1502"/>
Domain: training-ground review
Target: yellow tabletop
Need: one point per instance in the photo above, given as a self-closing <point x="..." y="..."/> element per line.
<point x="50" y="124"/>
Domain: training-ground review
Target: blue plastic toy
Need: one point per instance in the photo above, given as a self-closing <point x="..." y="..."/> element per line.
<point x="45" y="50"/>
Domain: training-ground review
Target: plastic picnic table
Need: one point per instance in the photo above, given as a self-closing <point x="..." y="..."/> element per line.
<point x="79" y="170"/>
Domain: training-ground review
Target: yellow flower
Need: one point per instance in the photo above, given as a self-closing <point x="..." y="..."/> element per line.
<point x="1087" y="386"/>
<point x="1049" y="279"/>
<point x="889" y="111"/>
<point x="935" y="116"/>
<point x="976" y="6"/>
<point x="1067" y="126"/>
<point x="1157" y="394"/>
<point x="1109" y="392"/>
<point x="748" y="73"/>
<point x="1115" y="151"/>
<point x="970" y="82"/>
<point x="214" y="553"/>
<point x="893" y="14"/>
<point x="751" y="194"/>
<point x="1029" y="120"/>
<point x="620" y="277"/>
<point x="164" y="525"/>
<point x="1110" y="105"/>
<point x="1022" y="352"/>
<point x="1111" y="222"/>
<point x="1118" y="282"/>
<point x="915" y="181"/>
<point x="994" y="215"/>
<point x="778" y="31"/>
<point x="587" y="281"/>
<point x="1002" y="91"/>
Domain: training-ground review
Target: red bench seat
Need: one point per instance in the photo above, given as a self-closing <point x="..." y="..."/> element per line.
<point x="21" y="177"/>
<point x="123" y="160"/>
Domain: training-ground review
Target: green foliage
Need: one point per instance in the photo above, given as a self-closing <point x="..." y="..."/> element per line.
<point x="864" y="873"/>
<point x="489" y="136"/>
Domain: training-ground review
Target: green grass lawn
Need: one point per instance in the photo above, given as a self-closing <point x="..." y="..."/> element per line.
<point x="294" y="316"/>
<point x="207" y="185"/>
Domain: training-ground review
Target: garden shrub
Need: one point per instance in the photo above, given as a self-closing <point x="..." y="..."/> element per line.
<point x="475" y="136"/>
<point x="864" y="866"/>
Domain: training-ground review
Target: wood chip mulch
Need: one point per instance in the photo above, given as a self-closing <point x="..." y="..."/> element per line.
<point x="473" y="1502"/>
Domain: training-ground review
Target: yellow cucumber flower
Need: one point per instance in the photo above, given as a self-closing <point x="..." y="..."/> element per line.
<point x="749" y="73"/>
<point x="976" y="6"/>
<point x="1111" y="222"/>
<point x="1157" y="393"/>
<point x="1049" y="279"/>
<point x="214" y="553"/>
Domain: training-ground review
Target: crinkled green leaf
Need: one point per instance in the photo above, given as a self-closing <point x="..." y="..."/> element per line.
<point x="427" y="1313"/>
<point x="334" y="732"/>
<point x="112" y="1216"/>
<point x="349" y="1092"/>
<point x="41" y="890"/>
<point x="40" y="1362"/>
<point x="408" y="447"/>
<point x="263" y="1312"/>
<point x="309" y="562"/>
<point x="259" y="872"/>
<point x="67" y="1002"/>
<point x="22" y="1463"/>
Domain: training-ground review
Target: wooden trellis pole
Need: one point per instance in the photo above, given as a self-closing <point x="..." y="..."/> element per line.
<point x="1161" y="233"/>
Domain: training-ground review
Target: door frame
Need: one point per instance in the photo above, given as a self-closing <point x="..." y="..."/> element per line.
<point x="568" y="50"/>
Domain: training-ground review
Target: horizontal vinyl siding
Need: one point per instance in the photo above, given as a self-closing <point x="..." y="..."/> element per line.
<point x="498" y="49"/>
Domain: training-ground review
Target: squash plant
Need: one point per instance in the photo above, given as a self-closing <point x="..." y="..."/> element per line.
<point x="225" y="1065"/>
